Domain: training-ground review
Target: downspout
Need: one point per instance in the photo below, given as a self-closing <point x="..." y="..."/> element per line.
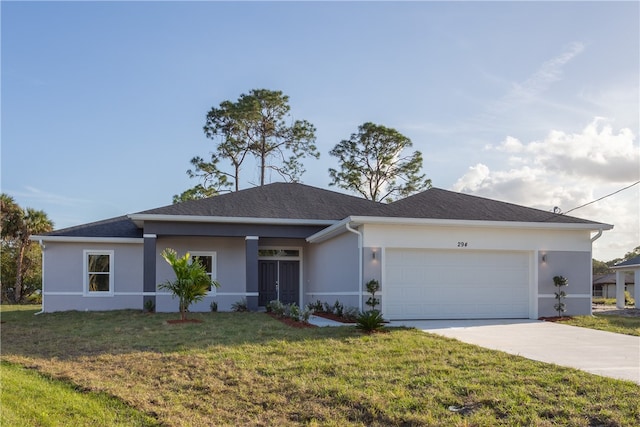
<point x="597" y="236"/>
<point x="360" y="265"/>
<point x="42" y="273"/>
<point x="593" y="239"/>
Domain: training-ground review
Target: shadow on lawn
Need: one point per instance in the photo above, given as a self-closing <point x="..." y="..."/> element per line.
<point x="68" y="335"/>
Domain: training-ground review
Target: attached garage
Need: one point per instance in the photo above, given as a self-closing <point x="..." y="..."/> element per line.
<point x="449" y="284"/>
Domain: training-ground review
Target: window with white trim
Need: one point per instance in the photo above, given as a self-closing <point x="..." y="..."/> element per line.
<point x="208" y="261"/>
<point x="98" y="272"/>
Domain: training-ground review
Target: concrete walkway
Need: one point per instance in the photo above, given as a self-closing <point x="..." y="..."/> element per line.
<point x="322" y="322"/>
<point x="598" y="352"/>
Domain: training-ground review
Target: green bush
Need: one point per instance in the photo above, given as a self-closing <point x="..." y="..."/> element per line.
<point x="351" y="313"/>
<point x="316" y="307"/>
<point x="293" y="311"/>
<point x="149" y="306"/>
<point x="213" y="306"/>
<point x="240" y="305"/>
<point x="370" y="321"/>
<point x="337" y="309"/>
<point x="628" y="299"/>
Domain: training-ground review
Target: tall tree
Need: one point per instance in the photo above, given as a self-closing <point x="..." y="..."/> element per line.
<point x="258" y="125"/>
<point x="372" y="163"/>
<point x="18" y="226"/>
<point x="213" y="180"/>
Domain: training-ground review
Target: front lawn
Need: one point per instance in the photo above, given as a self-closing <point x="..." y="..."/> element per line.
<point x="249" y="369"/>
<point x="30" y="399"/>
<point x="608" y="322"/>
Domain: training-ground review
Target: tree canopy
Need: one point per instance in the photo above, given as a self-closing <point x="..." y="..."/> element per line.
<point x="258" y="126"/>
<point x="19" y="260"/>
<point x="374" y="164"/>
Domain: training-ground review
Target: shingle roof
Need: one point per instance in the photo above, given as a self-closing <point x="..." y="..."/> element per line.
<point x="299" y="201"/>
<point x="610" y="279"/>
<point x="278" y="200"/>
<point x="120" y="226"/>
<point x="629" y="262"/>
<point x="436" y="203"/>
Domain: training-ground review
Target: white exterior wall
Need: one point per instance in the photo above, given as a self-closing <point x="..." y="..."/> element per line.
<point x="63" y="271"/>
<point x="230" y="270"/>
<point x="569" y="253"/>
<point x="333" y="271"/>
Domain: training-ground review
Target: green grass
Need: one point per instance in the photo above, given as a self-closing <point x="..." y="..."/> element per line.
<point x="30" y="399"/>
<point x="608" y="322"/>
<point x="249" y="369"/>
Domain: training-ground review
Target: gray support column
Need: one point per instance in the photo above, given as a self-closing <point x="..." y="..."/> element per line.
<point x="149" y="268"/>
<point x="251" y="245"/>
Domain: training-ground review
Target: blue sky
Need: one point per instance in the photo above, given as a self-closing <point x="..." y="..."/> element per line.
<point x="535" y="103"/>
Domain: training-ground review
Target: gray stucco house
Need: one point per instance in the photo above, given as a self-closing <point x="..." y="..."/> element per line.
<point x="437" y="254"/>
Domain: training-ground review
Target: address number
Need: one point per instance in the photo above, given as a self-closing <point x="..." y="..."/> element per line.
<point x="463" y="244"/>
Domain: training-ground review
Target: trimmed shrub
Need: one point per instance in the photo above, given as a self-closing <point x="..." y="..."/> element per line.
<point x="370" y="321"/>
<point x="240" y="305"/>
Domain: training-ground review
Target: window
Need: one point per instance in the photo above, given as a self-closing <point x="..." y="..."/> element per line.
<point x="98" y="272"/>
<point x="278" y="253"/>
<point x="208" y="261"/>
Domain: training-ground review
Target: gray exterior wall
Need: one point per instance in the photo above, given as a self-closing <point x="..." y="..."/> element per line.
<point x="576" y="267"/>
<point x="63" y="287"/>
<point x="333" y="271"/>
<point x="372" y="270"/>
<point x="230" y="270"/>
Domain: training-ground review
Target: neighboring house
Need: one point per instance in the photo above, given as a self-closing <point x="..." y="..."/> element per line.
<point x="629" y="266"/>
<point x="437" y="254"/>
<point x="604" y="285"/>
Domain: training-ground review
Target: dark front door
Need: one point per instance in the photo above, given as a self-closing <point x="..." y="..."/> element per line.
<point x="278" y="280"/>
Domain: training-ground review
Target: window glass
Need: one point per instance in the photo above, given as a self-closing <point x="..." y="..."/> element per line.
<point x="208" y="262"/>
<point x="98" y="273"/>
<point x="278" y="252"/>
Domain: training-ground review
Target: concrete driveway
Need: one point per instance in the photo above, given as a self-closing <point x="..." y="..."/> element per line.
<point x="598" y="352"/>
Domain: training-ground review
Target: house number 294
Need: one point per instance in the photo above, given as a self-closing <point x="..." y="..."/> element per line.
<point x="463" y="244"/>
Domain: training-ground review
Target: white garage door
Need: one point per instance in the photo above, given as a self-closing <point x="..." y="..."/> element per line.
<point x="428" y="284"/>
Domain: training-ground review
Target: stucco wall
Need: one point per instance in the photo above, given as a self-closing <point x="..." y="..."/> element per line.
<point x="576" y="267"/>
<point x="568" y="254"/>
<point x="63" y="287"/>
<point x="333" y="271"/>
<point x="230" y="270"/>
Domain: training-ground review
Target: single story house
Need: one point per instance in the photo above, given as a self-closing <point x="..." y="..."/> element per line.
<point x="437" y="254"/>
<point x="604" y="285"/>
<point x="629" y="266"/>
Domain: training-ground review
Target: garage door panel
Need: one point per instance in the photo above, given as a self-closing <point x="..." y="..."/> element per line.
<point x="427" y="284"/>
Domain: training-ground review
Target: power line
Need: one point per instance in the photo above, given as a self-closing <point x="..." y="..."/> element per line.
<point x="601" y="198"/>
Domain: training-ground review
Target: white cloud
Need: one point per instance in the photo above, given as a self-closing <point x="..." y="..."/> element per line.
<point x="530" y="89"/>
<point x="568" y="170"/>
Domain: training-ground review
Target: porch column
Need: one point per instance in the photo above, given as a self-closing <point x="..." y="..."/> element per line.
<point x="251" y="254"/>
<point x="636" y="287"/>
<point x="620" y="275"/>
<point x="149" y="268"/>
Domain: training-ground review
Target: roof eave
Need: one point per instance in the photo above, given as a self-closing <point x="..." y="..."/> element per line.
<point x="139" y="220"/>
<point x="340" y="227"/>
<point x="481" y="223"/>
<point x="87" y="239"/>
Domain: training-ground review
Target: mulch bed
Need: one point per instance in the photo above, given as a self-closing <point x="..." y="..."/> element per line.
<point x="293" y="323"/>
<point x="556" y="319"/>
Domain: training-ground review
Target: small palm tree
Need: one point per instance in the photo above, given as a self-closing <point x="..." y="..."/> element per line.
<point x="18" y="225"/>
<point x="192" y="281"/>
